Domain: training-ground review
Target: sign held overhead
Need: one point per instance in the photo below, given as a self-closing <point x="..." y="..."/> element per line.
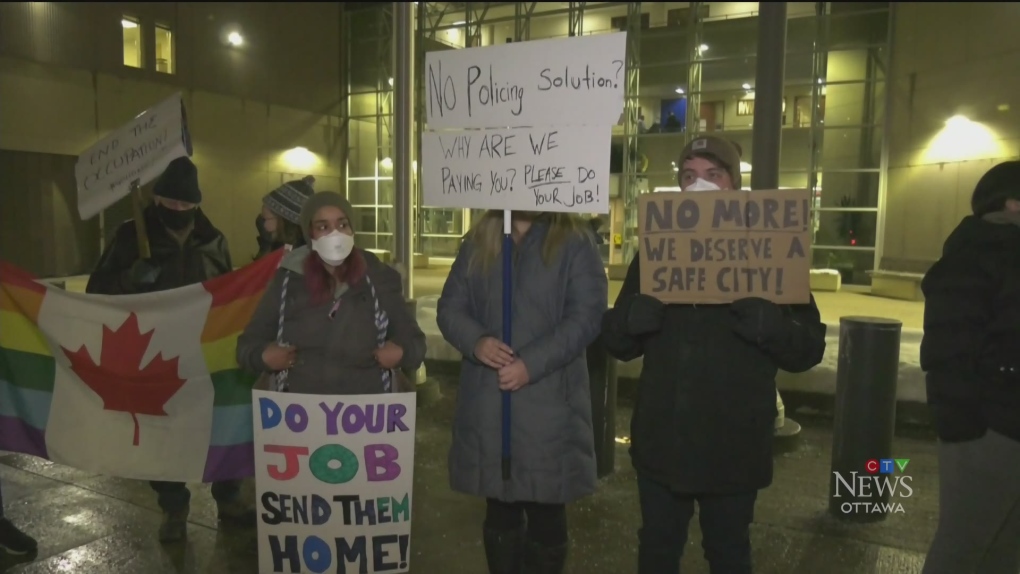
<point x="529" y="169"/>
<point x="137" y="152"/>
<point x="721" y="246"/>
<point x="569" y="81"/>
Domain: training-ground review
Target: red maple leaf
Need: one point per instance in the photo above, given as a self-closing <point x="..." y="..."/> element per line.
<point x="119" y="377"/>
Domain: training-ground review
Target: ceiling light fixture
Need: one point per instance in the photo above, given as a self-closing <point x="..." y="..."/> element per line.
<point x="235" y="39"/>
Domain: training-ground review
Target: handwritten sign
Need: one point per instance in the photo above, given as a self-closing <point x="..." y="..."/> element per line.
<point x="569" y="81"/>
<point x="720" y="246"/>
<point x="530" y="169"/>
<point x="333" y="475"/>
<point x="140" y="151"/>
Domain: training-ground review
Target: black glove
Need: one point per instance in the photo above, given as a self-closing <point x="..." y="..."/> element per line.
<point x="759" y="321"/>
<point x="142" y="273"/>
<point x="642" y="314"/>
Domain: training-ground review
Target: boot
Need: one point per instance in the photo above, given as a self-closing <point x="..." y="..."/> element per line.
<point x="175" y="526"/>
<point x="541" y="559"/>
<point x="236" y="512"/>
<point x="503" y="549"/>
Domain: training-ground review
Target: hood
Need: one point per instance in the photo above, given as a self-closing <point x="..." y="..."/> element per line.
<point x="976" y="233"/>
<point x="295" y="259"/>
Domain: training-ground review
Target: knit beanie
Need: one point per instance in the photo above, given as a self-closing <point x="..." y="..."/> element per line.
<point x="288" y="199"/>
<point x="317" y="202"/>
<point x="179" y="182"/>
<point x="998" y="184"/>
<point x="721" y="150"/>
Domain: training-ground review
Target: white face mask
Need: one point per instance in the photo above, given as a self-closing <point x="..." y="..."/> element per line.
<point x="334" y="248"/>
<point x="702" y="185"/>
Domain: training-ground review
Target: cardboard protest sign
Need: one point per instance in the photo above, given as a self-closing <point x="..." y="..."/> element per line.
<point x="566" y="81"/>
<point x="333" y="475"/>
<point x="720" y="246"/>
<point x="138" y="151"/>
<point x="530" y="169"/>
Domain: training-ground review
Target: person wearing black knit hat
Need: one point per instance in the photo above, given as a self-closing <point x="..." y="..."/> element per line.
<point x="970" y="353"/>
<point x="185" y="249"/>
<point x="278" y="224"/>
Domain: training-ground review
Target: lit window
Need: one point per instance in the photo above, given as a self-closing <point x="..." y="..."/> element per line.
<point x="132" y="42"/>
<point x="164" y="50"/>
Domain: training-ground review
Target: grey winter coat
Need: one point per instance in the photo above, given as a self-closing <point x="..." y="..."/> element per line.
<point x="334" y="356"/>
<point x="557" y="310"/>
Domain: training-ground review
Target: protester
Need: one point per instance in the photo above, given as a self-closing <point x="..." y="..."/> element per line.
<point x="345" y="327"/>
<point x="185" y="249"/>
<point x="278" y="224"/>
<point x="971" y="355"/>
<point x="703" y="422"/>
<point x="559" y="295"/>
<point x="12" y="539"/>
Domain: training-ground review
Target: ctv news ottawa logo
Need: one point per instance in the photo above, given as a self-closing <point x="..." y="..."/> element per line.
<point x="881" y="477"/>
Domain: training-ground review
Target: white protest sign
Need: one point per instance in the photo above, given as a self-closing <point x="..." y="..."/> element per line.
<point x="527" y="169"/>
<point x="140" y="150"/>
<point x="568" y="81"/>
<point x="333" y="477"/>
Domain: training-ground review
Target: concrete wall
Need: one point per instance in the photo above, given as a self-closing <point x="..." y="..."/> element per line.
<point x="949" y="59"/>
<point x="64" y="86"/>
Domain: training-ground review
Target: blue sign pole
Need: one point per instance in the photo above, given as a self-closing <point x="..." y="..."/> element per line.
<point x="508" y="248"/>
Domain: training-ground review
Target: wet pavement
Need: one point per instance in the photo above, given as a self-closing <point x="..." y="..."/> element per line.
<point x="98" y="525"/>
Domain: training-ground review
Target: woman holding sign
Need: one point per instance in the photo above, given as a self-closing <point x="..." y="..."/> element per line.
<point x="559" y="295"/>
<point x="333" y="320"/>
<point x="704" y="419"/>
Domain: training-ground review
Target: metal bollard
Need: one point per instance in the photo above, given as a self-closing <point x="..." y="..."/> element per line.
<point x="865" y="418"/>
<point x="602" y="382"/>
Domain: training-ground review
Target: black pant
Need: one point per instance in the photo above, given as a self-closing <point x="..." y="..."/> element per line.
<point x="547" y="523"/>
<point x="1" y="501"/>
<point x="725" y="529"/>
<point x="174" y="496"/>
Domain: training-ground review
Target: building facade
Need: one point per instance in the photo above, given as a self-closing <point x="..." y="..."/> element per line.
<point x="854" y="131"/>
<point x="891" y="110"/>
<point x="262" y="84"/>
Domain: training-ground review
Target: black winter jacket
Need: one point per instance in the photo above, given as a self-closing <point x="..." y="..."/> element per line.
<point x="971" y="346"/>
<point x="706" y="406"/>
<point x="203" y="256"/>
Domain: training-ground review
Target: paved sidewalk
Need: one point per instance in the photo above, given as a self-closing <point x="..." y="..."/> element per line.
<point x="100" y="525"/>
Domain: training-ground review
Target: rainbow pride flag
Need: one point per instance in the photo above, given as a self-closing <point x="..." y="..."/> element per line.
<point x="137" y="386"/>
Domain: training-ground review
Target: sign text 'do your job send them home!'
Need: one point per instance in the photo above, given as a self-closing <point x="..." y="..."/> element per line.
<point x="570" y="81"/>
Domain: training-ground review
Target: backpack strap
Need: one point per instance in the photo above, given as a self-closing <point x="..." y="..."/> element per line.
<point x="280" y="380"/>
<point x="382" y="325"/>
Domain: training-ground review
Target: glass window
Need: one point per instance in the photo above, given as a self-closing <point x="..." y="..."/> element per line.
<point x="846" y="228"/>
<point x="853" y="264"/>
<point x="164" y="50"/>
<point x="848" y="188"/>
<point x="729" y="38"/>
<point x="132" y="42"/>
<point x="849" y="148"/>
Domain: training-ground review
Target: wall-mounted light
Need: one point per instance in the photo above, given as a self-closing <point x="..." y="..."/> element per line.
<point x="299" y="158"/>
<point x="235" y="38"/>
<point x="963" y="139"/>
<point x="128" y="23"/>
<point x="386" y="163"/>
<point x="680" y="90"/>
<point x="958" y="121"/>
<point x="745" y="167"/>
<point x="703" y="48"/>
<point x="746" y="86"/>
<point x="391" y="82"/>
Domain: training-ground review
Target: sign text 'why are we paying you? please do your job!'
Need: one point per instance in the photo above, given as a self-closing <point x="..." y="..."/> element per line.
<point x="523" y="126"/>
